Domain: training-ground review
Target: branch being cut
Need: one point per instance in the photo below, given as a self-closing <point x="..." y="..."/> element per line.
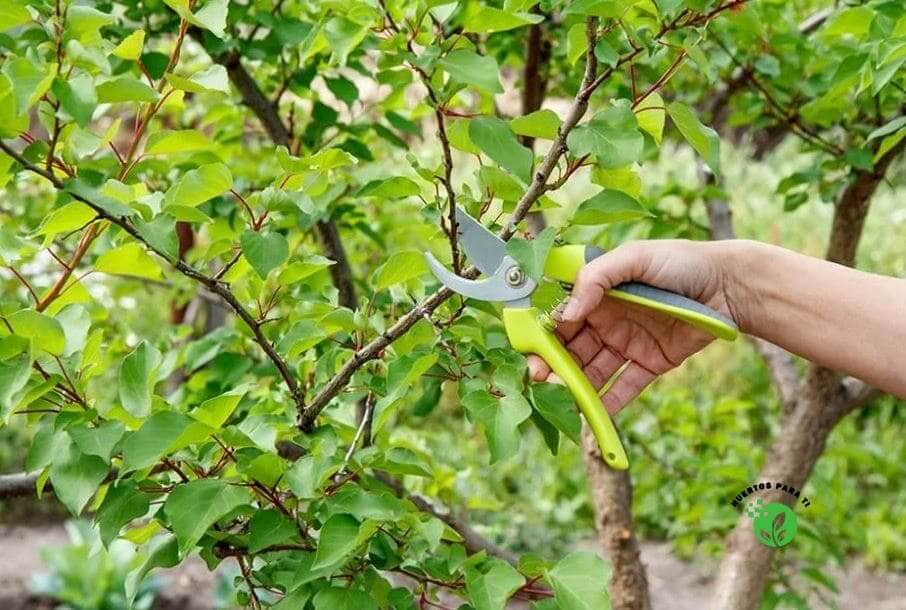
<point x="210" y="283"/>
<point x="536" y="189"/>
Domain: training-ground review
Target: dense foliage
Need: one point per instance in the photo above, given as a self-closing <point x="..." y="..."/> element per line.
<point x="218" y="321"/>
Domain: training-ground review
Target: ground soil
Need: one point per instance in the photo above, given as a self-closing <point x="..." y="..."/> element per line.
<point x="675" y="584"/>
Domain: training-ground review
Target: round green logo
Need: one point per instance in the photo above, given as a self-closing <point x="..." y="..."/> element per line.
<point x="774" y="524"/>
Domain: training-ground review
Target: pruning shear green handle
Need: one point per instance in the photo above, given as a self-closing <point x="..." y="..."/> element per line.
<point x="526" y="328"/>
<point x="564" y="262"/>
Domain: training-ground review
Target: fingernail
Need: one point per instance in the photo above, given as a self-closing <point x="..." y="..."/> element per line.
<point x="571" y="311"/>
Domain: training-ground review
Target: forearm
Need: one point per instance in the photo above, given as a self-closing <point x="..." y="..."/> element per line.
<point x="846" y="320"/>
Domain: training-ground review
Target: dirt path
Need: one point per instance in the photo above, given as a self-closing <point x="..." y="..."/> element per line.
<point x="675" y="584"/>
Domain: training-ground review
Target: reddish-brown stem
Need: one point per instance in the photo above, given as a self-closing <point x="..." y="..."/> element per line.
<point x="58" y="286"/>
<point x="25" y="283"/>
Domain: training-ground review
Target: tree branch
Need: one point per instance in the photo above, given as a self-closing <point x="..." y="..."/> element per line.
<point x="211" y="284"/>
<point x="19" y="484"/>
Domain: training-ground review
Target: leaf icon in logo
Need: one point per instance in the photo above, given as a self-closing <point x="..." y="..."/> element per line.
<point x="776" y="525"/>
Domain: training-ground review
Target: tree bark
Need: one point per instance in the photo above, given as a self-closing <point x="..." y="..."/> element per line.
<point x="611" y="494"/>
<point x="823" y="399"/>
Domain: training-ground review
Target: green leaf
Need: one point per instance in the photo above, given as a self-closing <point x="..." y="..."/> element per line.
<point x="131" y="46"/>
<point x="195" y="506"/>
<point x="543" y="124"/>
<point x="612" y="136"/>
<point x="400" y="267"/>
<point x="108" y="204"/>
<point x="123" y="502"/>
<point x="403" y="373"/>
<point x="555" y="404"/>
<point x="269" y="527"/>
<point x="887" y="129"/>
<point x="12" y="14"/>
<point x="215" y="411"/>
<point x="400" y="460"/>
<point x="75" y="477"/>
<point x="492" y="590"/>
<point x="612" y="9"/>
<point x="160" y="234"/>
<point x="84" y="24"/>
<point x="853" y="21"/>
<point x="651" y="115"/>
<point x="495" y="139"/>
<point x="580" y="582"/>
<point x="532" y="254"/>
<point x="702" y="139"/>
<point x="12" y="123"/>
<point x="76" y="322"/>
<point x="199" y="185"/>
<point x="212" y="78"/>
<point x="98" y="441"/>
<point x="45" y="332"/>
<point x="499" y="183"/>
<point x="72" y="216"/>
<point x="501" y="418"/>
<point x="337" y="598"/>
<point x="264" y="252"/>
<point x="309" y="474"/>
<point x="125" y="89"/>
<point x="391" y="188"/>
<point x="343" y="36"/>
<point x="576" y="43"/>
<point x="129" y="259"/>
<point x="606" y="54"/>
<point x="458" y="133"/>
<point x="338" y="538"/>
<point x="14" y="374"/>
<point x="29" y="81"/>
<point x="161" y="434"/>
<point x="470" y="68"/>
<point x="163" y="553"/>
<point x="137" y="378"/>
<point x="299" y="270"/>
<point x="182" y="141"/>
<point x="78" y="97"/>
<point x="609" y="206"/>
<point x="624" y="179"/>
<point x="362" y="504"/>
<point x="212" y="17"/>
<point x="488" y="19"/>
<point x="343" y="88"/>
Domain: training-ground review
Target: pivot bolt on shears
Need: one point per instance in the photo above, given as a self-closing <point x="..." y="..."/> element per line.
<point x="530" y="329"/>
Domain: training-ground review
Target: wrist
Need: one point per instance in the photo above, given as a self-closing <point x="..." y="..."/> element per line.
<point x="737" y="262"/>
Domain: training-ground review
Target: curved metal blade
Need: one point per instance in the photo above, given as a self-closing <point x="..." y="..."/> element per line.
<point x="484" y="249"/>
<point x="494" y="288"/>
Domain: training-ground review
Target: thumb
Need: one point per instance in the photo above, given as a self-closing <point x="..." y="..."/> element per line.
<point x="623" y="264"/>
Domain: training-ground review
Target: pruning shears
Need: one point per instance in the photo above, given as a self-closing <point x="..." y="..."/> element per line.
<point x="530" y="333"/>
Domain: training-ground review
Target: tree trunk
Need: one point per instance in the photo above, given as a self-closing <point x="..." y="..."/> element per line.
<point x="611" y="494"/>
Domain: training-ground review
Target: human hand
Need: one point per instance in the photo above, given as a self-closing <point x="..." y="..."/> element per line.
<point x="603" y="333"/>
